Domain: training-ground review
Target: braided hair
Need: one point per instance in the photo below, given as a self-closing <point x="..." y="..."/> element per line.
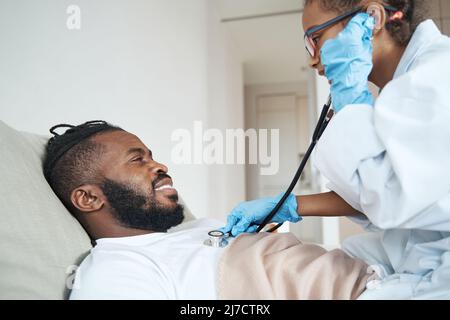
<point x="71" y="158"/>
<point x="401" y="29"/>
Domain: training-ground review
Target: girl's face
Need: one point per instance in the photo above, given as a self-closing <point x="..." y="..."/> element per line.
<point x="314" y="15"/>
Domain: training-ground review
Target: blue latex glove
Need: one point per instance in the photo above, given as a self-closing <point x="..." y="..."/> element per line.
<point x="246" y="213"/>
<point x="348" y="62"/>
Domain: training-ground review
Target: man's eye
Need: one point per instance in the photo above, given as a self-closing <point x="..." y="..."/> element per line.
<point x="138" y="159"/>
<point x="316" y="40"/>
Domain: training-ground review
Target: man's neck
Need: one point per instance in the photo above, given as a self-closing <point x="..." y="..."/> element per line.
<point x="101" y="225"/>
<point x="120" y="232"/>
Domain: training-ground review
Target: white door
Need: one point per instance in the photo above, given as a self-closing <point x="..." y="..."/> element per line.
<point x="279" y="112"/>
<point x="290" y="114"/>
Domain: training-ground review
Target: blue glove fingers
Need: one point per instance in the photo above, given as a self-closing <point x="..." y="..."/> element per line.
<point x="360" y="27"/>
<point x="352" y="39"/>
<point x="252" y="229"/>
<point x="241" y="226"/>
<point x="369" y="26"/>
<point x="231" y="222"/>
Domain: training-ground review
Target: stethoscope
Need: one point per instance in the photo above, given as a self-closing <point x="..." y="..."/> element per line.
<point x="219" y="239"/>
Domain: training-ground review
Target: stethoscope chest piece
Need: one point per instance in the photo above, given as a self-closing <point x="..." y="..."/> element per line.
<point x="216" y="239"/>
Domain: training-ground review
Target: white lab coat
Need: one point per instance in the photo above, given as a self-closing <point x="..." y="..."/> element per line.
<point x="392" y="162"/>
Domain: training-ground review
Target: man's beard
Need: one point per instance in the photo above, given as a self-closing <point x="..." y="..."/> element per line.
<point x="134" y="210"/>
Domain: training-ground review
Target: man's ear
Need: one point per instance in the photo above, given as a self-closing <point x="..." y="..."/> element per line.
<point x="88" y="198"/>
<point x="377" y="11"/>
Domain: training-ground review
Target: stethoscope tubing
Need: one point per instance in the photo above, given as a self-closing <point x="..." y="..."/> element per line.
<point x="324" y="119"/>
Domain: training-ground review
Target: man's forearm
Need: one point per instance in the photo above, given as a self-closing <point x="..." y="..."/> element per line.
<point x="328" y="204"/>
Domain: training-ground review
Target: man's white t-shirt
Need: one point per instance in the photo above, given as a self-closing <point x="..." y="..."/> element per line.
<point x="172" y="265"/>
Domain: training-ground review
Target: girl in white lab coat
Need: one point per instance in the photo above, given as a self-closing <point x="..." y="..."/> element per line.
<point x="387" y="160"/>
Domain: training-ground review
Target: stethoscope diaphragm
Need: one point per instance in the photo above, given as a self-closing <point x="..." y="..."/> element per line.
<point x="216" y="239"/>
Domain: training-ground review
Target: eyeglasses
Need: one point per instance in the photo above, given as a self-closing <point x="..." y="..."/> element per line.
<point x="310" y="43"/>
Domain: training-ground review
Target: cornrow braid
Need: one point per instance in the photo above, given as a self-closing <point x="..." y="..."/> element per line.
<point x="70" y="158"/>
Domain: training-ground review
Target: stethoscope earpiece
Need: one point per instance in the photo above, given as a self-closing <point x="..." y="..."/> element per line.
<point x="374" y="11"/>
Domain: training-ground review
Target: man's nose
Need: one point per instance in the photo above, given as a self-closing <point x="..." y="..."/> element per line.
<point x="158" y="168"/>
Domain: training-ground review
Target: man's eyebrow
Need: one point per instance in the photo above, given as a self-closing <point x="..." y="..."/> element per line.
<point x="141" y="151"/>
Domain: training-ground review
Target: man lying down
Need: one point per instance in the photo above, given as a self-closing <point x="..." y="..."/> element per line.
<point x="124" y="199"/>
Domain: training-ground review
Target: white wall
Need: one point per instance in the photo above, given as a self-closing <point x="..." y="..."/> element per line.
<point x="440" y="12"/>
<point x="225" y="111"/>
<point x="145" y="65"/>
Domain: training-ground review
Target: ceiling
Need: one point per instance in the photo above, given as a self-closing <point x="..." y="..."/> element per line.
<point x="269" y="38"/>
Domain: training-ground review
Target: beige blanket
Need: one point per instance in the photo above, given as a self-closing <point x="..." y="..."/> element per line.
<point x="279" y="266"/>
